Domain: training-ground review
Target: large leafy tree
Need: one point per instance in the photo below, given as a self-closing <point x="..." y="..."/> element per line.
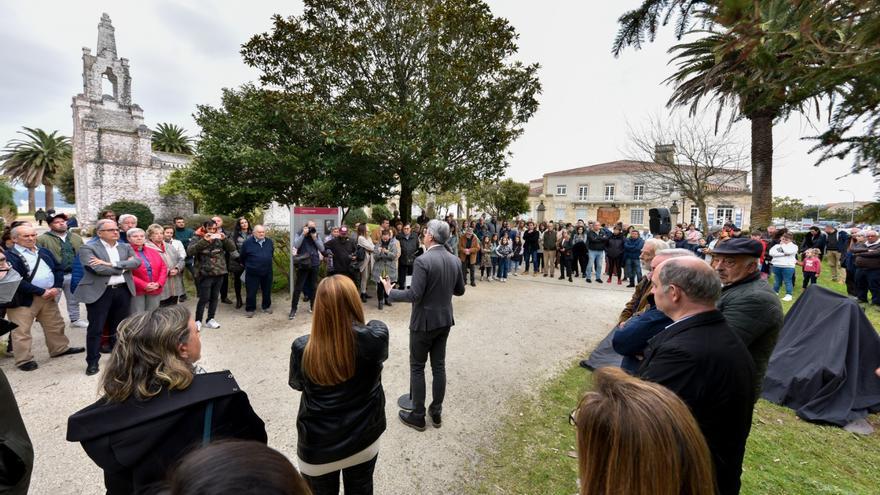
<point x="503" y="200"/>
<point x="262" y="146"/>
<point x="172" y="138"/>
<point x="789" y="208"/>
<point x="65" y="182"/>
<point x="35" y="160"/>
<point x="427" y="88"/>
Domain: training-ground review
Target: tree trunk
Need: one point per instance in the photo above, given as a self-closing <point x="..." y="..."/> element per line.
<point x="406" y="194"/>
<point x="50" y="196"/>
<point x="704" y="218"/>
<point x="32" y="200"/>
<point x="762" y="171"/>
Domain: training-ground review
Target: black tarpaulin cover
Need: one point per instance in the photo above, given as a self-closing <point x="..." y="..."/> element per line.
<point x="823" y="365"/>
<point x="604" y="355"/>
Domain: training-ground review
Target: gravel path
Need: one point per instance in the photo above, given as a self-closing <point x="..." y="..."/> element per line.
<point x="509" y="339"/>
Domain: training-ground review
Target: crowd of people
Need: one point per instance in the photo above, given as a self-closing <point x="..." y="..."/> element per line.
<point x="695" y="338"/>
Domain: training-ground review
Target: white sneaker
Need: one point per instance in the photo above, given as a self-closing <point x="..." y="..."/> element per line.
<point x="787" y="297"/>
<point x="199" y="326"/>
<point x="80" y="324"/>
<point x="212" y="323"/>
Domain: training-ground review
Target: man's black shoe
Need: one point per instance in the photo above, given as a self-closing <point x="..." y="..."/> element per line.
<point x="436" y="420"/>
<point x="598" y="281"/>
<point x="226" y="300"/>
<point x="238" y="304"/>
<point x="586" y="365"/>
<point x="473" y="284"/>
<point x="387" y="303"/>
<point x="28" y="366"/>
<point x="71" y="350"/>
<point x="631" y="285"/>
<point x="410" y="420"/>
<point x="369" y="296"/>
<point x="92" y="369"/>
<point x="589" y="281"/>
<point x="106" y="349"/>
<point x="292" y="315"/>
<point x="363" y="298"/>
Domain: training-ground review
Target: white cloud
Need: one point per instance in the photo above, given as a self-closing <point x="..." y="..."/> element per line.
<point x="183" y="52"/>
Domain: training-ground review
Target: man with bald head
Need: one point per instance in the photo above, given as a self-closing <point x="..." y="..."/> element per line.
<point x="34" y="300"/>
<point x="700" y="359"/>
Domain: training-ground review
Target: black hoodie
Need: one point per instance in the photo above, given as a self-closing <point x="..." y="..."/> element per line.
<point x="135" y="442"/>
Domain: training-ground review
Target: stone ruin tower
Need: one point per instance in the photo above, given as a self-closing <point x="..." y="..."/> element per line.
<point x="112" y="156"/>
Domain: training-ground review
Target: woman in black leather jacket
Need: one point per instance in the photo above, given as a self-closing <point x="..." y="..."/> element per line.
<point x="338" y="368"/>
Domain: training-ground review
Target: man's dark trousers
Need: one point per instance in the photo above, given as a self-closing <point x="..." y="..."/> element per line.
<point x="111" y="308"/>
<point x="402" y="271"/>
<point x="254" y="281"/>
<point x="422" y="345"/>
<point x="868" y="280"/>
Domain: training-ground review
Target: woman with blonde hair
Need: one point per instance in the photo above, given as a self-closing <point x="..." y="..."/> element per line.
<point x="338" y="369"/>
<point x="638" y="438"/>
<point x="156" y="406"/>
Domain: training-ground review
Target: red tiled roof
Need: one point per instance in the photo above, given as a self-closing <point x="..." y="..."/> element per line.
<point x="537" y="190"/>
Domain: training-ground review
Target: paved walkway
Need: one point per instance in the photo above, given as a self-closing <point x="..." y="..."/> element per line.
<point x="509" y="339"/>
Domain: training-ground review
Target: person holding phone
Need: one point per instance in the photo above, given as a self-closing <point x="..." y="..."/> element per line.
<point x="209" y="248"/>
<point x="306" y="242"/>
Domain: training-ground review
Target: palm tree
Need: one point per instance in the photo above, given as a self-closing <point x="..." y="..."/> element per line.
<point x="35" y="160"/>
<point x="171" y="138"/>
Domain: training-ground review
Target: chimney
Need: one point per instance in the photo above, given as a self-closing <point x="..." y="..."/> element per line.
<point x="664" y="153"/>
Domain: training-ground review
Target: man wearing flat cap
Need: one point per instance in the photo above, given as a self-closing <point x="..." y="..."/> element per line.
<point x="747" y="302"/>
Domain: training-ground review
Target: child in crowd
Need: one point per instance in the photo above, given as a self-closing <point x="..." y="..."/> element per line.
<point x="516" y="257"/>
<point x="493" y="255"/>
<point x="486" y="261"/>
<point x="811" y="266"/>
<point x="504" y="251"/>
<point x="563" y="250"/>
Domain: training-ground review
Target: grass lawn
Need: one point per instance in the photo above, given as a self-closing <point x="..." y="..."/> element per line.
<point x="534" y="449"/>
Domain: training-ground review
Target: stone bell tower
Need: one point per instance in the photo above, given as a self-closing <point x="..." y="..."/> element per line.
<point x="112" y="154"/>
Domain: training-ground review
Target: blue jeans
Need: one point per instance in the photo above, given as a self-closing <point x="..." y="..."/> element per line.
<point x="780" y="275"/>
<point x="503" y="264"/>
<point x="633" y="270"/>
<point x="514" y="265"/>
<point x="596" y="258"/>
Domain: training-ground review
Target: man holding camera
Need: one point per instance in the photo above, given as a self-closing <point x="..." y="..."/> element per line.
<point x="306" y="260"/>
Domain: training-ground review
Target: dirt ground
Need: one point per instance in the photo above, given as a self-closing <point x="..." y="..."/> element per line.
<point x="509" y="338"/>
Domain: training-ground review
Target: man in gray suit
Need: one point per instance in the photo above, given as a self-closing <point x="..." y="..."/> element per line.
<point x="106" y="287"/>
<point x="437" y="276"/>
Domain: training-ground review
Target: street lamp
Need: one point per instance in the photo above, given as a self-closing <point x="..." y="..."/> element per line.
<point x="852" y="210"/>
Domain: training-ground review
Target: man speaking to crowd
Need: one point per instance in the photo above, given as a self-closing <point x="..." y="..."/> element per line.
<point x="436" y="277"/>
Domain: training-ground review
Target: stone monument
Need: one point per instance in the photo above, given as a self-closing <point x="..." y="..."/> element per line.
<point x="112" y="155"/>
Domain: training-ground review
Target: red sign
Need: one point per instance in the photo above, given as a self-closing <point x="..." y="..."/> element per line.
<point x="306" y="210"/>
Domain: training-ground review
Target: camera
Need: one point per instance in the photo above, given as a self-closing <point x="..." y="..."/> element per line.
<point x="312" y="230"/>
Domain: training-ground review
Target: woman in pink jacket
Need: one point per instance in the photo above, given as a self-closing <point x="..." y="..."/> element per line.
<point x="149" y="278"/>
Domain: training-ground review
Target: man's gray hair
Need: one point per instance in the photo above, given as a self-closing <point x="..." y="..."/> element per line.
<point x="102" y="222"/>
<point x="439" y="230"/>
<point x="657" y="244"/>
<point x="126" y="216"/>
<point x="699" y="284"/>
<point x="17" y="230"/>
<point x="674" y="252"/>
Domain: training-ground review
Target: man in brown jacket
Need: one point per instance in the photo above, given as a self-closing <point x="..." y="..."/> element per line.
<point x="468" y="247"/>
<point x="639" y="300"/>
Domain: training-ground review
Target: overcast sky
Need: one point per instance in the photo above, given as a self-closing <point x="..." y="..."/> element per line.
<point x="183" y="52"/>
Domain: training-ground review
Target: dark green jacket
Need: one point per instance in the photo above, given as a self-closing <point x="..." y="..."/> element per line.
<point x="53" y="243"/>
<point x="209" y="257"/>
<point x="754" y="313"/>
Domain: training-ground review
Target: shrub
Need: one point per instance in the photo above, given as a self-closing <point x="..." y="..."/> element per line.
<point x="356" y="216"/>
<point x="196" y="221"/>
<point x="141" y="211"/>
<point x="380" y="213"/>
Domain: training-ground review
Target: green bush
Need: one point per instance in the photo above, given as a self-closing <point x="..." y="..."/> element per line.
<point x="356" y="216"/>
<point x="196" y="221"/>
<point x="141" y="211"/>
<point x="380" y="213"/>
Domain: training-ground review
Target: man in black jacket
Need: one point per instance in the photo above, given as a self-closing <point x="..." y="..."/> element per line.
<point x="835" y="245"/>
<point x="700" y="359"/>
<point x="597" y="241"/>
<point x="436" y="278"/>
<point x="409" y="247"/>
<point x="342" y="248"/>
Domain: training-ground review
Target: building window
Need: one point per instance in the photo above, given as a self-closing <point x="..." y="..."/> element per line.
<point x="560" y="214"/>
<point x="581" y="214"/>
<point x="695" y="216"/>
<point x="667" y="188"/>
<point x="561" y="189"/>
<point x="583" y="192"/>
<point x="723" y="214"/>
<point x="609" y="192"/>
<point x="637" y="216"/>
<point x="639" y="192"/>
